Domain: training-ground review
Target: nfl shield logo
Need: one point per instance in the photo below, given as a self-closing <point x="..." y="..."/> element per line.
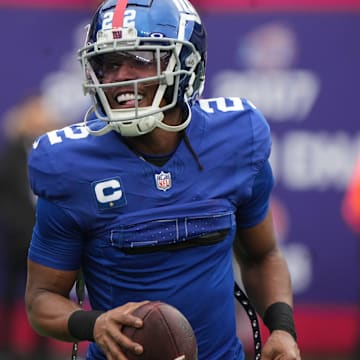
<point x="163" y="181"/>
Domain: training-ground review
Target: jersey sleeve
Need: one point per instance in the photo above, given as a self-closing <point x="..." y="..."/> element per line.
<point x="57" y="240"/>
<point x="261" y="138"/>
<point x="256" y="208"/>
<point x="45" y="176"/>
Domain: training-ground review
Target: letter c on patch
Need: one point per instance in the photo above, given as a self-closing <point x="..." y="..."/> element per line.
<point x="108" y="191"/>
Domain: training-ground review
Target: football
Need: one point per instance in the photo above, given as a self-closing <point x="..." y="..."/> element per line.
<point x="165" y="335"/>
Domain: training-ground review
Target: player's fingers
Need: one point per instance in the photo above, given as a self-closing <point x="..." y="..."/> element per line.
<point x="113" y="350"/>
<point x="132" y="306"/>
<point x="272" y="356"/>
<point x="113" y="339"/>
<point x="124" y="315"/>
<point x="127" y="344"/>
<point x="288" y="356"/>
<point x="107" y="350"/>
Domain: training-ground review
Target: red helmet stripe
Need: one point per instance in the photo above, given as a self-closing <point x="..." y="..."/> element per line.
<point x="119" y="13"/>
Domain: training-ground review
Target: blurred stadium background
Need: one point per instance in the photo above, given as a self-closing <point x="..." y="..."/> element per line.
<point x="298" y="61"/>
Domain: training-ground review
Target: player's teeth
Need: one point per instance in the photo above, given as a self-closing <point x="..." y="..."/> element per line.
<point x="127" y="97"/>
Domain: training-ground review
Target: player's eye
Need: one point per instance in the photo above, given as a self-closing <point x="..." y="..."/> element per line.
<point x="110" y="67"/>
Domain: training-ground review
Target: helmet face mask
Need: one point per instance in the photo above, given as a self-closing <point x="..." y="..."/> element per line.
<point x="110" y="62"/>
<point x="147" y="42"/>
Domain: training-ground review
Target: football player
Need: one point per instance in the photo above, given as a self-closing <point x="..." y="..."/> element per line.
<point x="152" y="194"/>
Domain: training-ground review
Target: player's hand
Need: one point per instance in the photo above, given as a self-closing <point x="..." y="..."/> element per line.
<point x="280" y="346"/>
<point x="108" y="335"/>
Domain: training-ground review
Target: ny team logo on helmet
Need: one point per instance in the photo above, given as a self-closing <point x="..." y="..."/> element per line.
<point x="163" y="27"/>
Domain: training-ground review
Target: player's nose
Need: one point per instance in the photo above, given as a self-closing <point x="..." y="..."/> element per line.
<point x="123" y="72"/>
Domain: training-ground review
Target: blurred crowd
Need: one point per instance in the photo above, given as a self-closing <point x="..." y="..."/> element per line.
<point x="21" y="126"/>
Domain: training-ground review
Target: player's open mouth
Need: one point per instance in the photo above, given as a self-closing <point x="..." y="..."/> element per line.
<point x="128" y="99"/>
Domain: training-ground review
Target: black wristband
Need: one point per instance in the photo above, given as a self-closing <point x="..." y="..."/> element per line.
<point x="81" y="324"/>
<point x="279" y="316"/>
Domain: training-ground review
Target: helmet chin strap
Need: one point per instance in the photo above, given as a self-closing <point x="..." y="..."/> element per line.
<point x="142" y="126"/>
<point x="148" y="123"/>
<point x="126" y="128"/>
<point x="130" y="128"/>
<point x="180" y="127"/>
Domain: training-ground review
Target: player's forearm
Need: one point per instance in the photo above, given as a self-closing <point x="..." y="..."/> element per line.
<point x="48" y="314"/>
<point x="267" y="281"/>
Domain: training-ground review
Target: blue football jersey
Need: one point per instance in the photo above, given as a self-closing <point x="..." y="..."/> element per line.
<point x="146" y="232"/>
